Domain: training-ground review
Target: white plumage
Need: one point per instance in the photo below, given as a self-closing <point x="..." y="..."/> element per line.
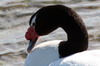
<point x="43" y="54"/>
<point x="86" y="58"/>
<point x="46" y="54"/>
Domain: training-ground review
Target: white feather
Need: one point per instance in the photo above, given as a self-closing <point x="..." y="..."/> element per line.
<point x="46" y="54"/>
<point x="43" y="54"/>
<point x="33" y="20"/>
<point x="86" y="58"/>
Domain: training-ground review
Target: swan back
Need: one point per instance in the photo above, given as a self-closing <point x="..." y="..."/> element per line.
<point x="86" y="58"/>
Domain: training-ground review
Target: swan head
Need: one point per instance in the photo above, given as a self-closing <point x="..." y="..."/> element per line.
<point x="43" y="22"/>
<point x="47" y="20"/>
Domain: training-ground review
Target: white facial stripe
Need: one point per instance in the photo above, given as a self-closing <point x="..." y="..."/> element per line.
<point x="33" y="20"/>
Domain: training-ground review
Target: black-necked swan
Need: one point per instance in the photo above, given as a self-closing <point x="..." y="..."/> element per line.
<point x="59" y="52"/>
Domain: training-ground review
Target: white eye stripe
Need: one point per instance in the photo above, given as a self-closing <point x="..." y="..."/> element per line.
<point x="33" y="20"/>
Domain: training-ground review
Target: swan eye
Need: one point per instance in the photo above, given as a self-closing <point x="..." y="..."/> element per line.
<point x="33" y="21"/>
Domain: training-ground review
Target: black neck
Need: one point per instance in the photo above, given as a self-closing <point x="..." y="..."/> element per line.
<point x="77" y="36"/>
<point x="76" y="33"/>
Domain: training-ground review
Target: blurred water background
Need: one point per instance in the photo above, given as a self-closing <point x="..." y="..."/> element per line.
<point x="14" y="18"/>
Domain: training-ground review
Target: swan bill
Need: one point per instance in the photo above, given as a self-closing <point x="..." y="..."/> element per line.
<point x="31" y="45"/>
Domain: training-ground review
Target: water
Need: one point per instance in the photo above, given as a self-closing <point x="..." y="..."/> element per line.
<point x="14" y="17"/>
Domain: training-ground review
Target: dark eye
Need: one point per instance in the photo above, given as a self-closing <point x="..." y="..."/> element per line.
<point x="33" y="24"/>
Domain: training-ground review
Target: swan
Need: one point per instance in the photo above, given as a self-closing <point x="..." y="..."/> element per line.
<point x="58" y="52"/>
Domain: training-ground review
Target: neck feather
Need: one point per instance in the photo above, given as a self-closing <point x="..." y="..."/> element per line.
<point x="77" y="36"/>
